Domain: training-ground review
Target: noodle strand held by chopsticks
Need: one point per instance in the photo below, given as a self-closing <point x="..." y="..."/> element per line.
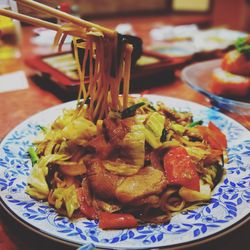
<point x="105" y="67"/>
<point x="128" y="53"/>
<point x="81" y="75"/>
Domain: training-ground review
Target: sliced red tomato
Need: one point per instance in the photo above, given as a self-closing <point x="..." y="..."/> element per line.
<point x="213" y="135"/>
<point x="218" y="134"/>
<point x="116" y="221"/>
<point x="180" y="169"/>
<point x="85" y="208"/>
<point x="209" y="137"/>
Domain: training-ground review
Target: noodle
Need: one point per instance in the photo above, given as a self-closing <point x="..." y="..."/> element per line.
<point x="107" y="68"/>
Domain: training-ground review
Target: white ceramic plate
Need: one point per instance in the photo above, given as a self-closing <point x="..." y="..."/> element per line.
<point x="228" y="209"/>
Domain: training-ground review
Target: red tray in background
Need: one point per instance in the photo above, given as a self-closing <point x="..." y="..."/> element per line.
<point x="58" y="67"/>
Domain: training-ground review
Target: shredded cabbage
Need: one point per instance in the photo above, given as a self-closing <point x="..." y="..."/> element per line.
<point x="38" y="187"/>
<point x="68" y="197"/>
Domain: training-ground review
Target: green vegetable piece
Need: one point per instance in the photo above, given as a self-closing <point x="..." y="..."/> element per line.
<point x="193" y="124"/>
<point x="219" y="173"/>
<point x="151" y="139"/>
<point x="44" y="129"/>
<point x="130" y="111"/>
<point x="152" y="107"/>
<point x="178" y="128"/>
<point x="164" y="135"/>
<point x="242" y="45"/>
<point x="33" y="155"/>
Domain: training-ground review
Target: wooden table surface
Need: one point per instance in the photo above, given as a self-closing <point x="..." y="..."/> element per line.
<point x="19" y="105"/>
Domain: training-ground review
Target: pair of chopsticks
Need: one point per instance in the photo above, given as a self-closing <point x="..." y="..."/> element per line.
<point x="55" y="13"/>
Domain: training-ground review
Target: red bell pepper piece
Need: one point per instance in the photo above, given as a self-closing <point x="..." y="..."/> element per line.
<point x="116" y="221"/>
<point x="85" y="208"/>
<point x="180" y="169"/>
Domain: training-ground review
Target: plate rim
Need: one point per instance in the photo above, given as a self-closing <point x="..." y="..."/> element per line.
<point x="184" y="245"/>
<point x="58" y="239"/>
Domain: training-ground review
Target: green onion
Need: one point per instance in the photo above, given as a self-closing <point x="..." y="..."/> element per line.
<point x="44" y="129"/>
<point x="193" y="124"/>
<point x="152" y="107"/>
<point x="130" y="111"/>
<point x="243" y="47"/>
<point x="33" y="155"/>
<point x="164" y="135"/>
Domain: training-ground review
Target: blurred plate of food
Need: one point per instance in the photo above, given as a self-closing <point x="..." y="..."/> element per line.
<point x="179" y="43"/>
<point x="226" y="81"/>
<point x="200" y="77"/>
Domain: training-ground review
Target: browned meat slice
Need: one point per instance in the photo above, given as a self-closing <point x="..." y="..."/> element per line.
<point x="101" y="147"/>
<point x="150" y="201"/>
<point x="102" y="183"/>
<point x="147" y="182"/>
<point x="114" y="130"/>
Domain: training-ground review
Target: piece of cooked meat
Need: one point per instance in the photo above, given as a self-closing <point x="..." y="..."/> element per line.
<point x="147" y="182"/>
<point x="114" y="130"/>
<point x="150" y="201"/>
<point x="103" y="184"/>
<point x="102" y="148"/>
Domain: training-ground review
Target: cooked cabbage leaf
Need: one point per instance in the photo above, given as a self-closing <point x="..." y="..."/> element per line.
<point x="134" y="141"/>
<point x="38" y="186"/>
<point x="121" y="168"/>
<point x="80" y="128"/>
<point x="192" y="195"/>
<point x="154" y="126"/>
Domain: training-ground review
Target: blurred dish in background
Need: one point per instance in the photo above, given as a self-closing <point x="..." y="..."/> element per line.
<point x="176" y="49"/>
<point x="199" y="77"/>
<point x="125" y="29"/>
<point x="188" y="40"/>
<point x="232" y="78"/>
<point x="169" y="32"/>
<point x="218" y="38"/>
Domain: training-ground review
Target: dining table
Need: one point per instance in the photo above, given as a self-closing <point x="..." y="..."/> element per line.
<point x="16" y="106"/>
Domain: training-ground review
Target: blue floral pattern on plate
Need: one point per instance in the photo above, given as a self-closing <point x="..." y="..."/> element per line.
<point x="230" y="202"/>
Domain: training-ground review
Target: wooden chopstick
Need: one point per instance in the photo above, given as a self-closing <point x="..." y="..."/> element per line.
<point x="31" y="20"/>
<point x="66" y="17"/>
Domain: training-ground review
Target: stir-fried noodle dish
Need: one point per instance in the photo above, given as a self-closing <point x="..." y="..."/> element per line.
<point x="119" y="159"/>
